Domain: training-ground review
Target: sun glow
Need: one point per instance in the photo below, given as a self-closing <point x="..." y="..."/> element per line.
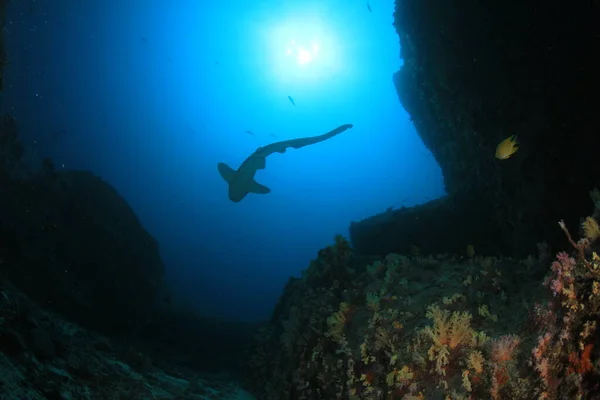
<point x="303" y="54"/>
<point x="302" y="48"/>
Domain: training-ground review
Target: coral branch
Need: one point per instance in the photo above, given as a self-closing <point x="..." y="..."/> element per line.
<point x="579" y="247"/>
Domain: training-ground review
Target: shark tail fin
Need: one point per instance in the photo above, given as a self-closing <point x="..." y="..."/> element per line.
<point x="226" y="172"/>
<point x="257" y="188"/>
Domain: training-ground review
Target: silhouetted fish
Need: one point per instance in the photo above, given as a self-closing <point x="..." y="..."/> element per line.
<point x="369" y="7"/>
<point x="241" y="181"/>
<point x="250" y="133"/>
<point x="291" y="100"/>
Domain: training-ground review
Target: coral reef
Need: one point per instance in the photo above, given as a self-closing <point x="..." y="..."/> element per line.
<point x="444" y="327"/>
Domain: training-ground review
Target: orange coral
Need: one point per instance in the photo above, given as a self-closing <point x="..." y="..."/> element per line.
<point x="502" y="351"/>
<point x="581" y="364"/>
<point x="504" y="347"/>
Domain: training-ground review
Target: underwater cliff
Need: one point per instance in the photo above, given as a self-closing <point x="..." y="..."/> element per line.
<point x="475" y="73"/>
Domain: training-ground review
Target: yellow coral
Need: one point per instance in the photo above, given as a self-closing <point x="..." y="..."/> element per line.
<point x="399" y="377"/>
<point x="476" y="361"/>
<point x="591" y="230"/>
<point x="485" y="313"/>
<point x="447" y="333"/>
<point x="373" y="301"/>
<point x="465" y="380"/>
<point x="450" y="330"/>
<point x="337" y="321"/>
<point x="454" y="298"/>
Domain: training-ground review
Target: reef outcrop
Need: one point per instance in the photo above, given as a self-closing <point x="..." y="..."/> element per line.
<point x="70" y="242"/>
<point x="435" y="327"/>
<point x="474" y="74"/>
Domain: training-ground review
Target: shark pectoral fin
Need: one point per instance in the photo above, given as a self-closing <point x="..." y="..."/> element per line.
<point x="226" y="172"/>
<point x="257" y="188"/>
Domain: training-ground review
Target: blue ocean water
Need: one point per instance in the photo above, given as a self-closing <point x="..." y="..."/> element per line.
<point x="152" y="95"/>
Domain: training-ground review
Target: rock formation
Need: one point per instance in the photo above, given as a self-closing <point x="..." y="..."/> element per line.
<point x="474" y="74"/>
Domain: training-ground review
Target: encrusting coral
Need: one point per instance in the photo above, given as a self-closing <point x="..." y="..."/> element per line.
<point x="445" y="327"/>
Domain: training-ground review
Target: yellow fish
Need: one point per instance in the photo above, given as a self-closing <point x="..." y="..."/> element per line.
<point x="507" y="148"/>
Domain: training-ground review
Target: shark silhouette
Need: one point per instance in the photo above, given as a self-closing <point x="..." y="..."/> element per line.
<point x="241" y="182"/>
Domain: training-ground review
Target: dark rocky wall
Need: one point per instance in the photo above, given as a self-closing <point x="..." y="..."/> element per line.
<point x="71" y="243"/>
<point x="475" y="73"/>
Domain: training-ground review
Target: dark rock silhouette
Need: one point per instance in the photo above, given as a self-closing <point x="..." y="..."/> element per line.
<point x="475" y="73"/>
<point x="70" y="242"/>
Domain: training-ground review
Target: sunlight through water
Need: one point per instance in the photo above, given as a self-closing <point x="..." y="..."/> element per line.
<point x="305" y="49"/>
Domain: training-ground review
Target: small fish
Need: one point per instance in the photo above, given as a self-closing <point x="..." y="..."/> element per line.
<point x="273" y="135"/>
<point x="250" y="133"/>
<point x="291" y="100"/>
<point x="507" y="148"/>
<point x="369" y="7"/>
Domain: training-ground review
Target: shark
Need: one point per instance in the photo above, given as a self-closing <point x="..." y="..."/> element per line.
<point x="241" y="181"/>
